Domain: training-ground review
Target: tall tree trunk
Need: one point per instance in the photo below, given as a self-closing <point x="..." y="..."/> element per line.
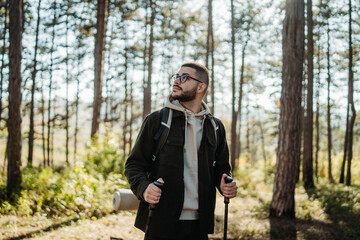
<point x="351" y="107"/>
<point x="33" y="77"/>
<point x="262" y="138"/>
<point x="147" y="87"/>
<point x="3" y="52"/>
<point x="242" y="70"/>
<point x="288" y="151"/>
<point x="43" y="119"/>
<point x="102" y="15"/>
<point x="212" y="82"/>
<point x="234" y="113"/>
<point x="317" y="114"/>
<point x="14" y="121"/>
<point x="52" y="49"/>
<point x="79" y="57"/>
<point x="329" y="148"/>
<point x="145" y="53"/>
<point x="209" y="52"/>
<point x="308" y="130"/>
<point x="126" y="101"/>
<point x="248" y="132"/>
<point x="67" y="114"/>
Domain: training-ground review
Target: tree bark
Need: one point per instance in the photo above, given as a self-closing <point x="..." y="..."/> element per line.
<point x="32" y="103"/>
<point x="14" y="122"/>
<point x="52" y="49"/>
<point x="329" y="148"/>
<point x="234" y="113"/>
<point x="317" y="114"/>
<point x="288" y="151"/>
<point x="102" y="15"/>
<point x="351" y="107"/>
<point x="147" y="87"/>
<point x="242" y="70"/>
<point x="308" y="129"/>
<point x="43" y="120"/>
<point x="3" y="52"/>
<point x="67" y="113"/>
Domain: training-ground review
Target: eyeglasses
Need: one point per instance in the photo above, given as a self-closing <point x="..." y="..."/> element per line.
<point x="183" y="78"/>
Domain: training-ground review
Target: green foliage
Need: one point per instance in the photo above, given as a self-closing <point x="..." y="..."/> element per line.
<point x="82" y="191"/>
<point x="73" y="193"/>
<point x="104" y="156"/>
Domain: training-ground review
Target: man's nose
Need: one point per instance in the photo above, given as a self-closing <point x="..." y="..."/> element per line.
<point x="177" y="81"/>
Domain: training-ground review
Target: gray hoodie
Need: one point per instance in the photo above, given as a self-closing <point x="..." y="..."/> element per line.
<point x="193" y="133"/>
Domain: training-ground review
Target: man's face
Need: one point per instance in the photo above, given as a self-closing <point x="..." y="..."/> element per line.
<point x="185" y="92"/>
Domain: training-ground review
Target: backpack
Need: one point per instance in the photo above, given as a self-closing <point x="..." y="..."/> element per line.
<point x="162" y="133"/>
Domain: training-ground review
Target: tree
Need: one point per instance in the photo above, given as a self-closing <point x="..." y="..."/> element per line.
<point x="234" y="113"/>
<point x="288" y="151"/>
<point x="52" y="50"/>
<point x="14" y="121"/>
<point x="350" y="113"/>
<point x="147" y="84"/>
<point x="326" y="13"/>
<point x="210" y="52"/>
<point x="3" y="52"/>
<point x="102" y="15"/>
<point x="33" y="78"/>
<point x="308" y="127"/>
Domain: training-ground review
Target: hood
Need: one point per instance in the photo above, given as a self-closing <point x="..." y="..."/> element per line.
<point x="175" y="105"/>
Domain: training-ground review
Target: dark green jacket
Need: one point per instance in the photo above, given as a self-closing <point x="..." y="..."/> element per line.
<point x="141" y="170"/>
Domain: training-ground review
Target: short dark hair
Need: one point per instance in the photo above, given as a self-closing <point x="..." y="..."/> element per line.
<point x="201" y="70"/>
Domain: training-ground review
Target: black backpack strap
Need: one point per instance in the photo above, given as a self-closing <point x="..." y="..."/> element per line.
<point x="163" y="131"/>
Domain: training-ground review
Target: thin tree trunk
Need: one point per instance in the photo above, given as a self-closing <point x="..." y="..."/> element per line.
<point x="145" y="53"/>
<point x="14" y="122"/>
<point x="242" y="70"/>
<point x="43" y="120"/>
<point x="317" y="114"/>
<point x="67" y="115"/>
<point x="79" y="57"/>
<point x="102" y="15"/>
<point x="288" y="151"/>
<point x="234" y="113"/>
<point x="308" y="130"/>
<point x="330" y="177"/>
<point x="126" y="102"/>
<point x="3" y="52"/>
<point x="351" y="107"/>
<point x="209" y="45"/>
<point x="32" y="104"/>
<point x="262" y="138"/>
<point x="212" y="108"/>
<point x="147" y="88"/>
<point x="248" y="132"/>
<point x="50" y="84"/>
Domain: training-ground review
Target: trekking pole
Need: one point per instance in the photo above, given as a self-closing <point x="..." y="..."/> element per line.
<point x="151" y="208"/>
<point x="226" y="201"/>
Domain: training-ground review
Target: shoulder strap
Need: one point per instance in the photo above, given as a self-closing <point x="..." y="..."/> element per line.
<point x="216" y="127"/>
<point x="164" y="129"/>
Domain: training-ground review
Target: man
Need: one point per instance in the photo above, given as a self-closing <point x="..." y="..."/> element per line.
<point x="193" y="161"/>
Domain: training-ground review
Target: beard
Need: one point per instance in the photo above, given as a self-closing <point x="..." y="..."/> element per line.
<point x="185" y="96"/>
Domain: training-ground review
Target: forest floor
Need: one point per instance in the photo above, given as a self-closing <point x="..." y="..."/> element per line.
<point x="330" y="212"/>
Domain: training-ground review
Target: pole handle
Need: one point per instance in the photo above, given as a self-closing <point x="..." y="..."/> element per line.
<point x="227" y="180"/>
<point x="158" y="184"/>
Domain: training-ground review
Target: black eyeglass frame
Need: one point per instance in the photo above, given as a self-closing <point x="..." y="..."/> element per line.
<point x="184" y="78"/>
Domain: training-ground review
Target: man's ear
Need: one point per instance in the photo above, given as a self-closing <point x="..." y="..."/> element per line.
<point x="202" y="87"/>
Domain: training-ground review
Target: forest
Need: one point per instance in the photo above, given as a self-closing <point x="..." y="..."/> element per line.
<point x="77" y="78"/>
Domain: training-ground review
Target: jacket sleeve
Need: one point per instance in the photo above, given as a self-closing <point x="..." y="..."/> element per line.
<point x="222" y="164"/>
<point x="138" y="164"/>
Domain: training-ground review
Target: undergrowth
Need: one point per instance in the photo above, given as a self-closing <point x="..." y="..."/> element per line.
<point x="82" y="191"/>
